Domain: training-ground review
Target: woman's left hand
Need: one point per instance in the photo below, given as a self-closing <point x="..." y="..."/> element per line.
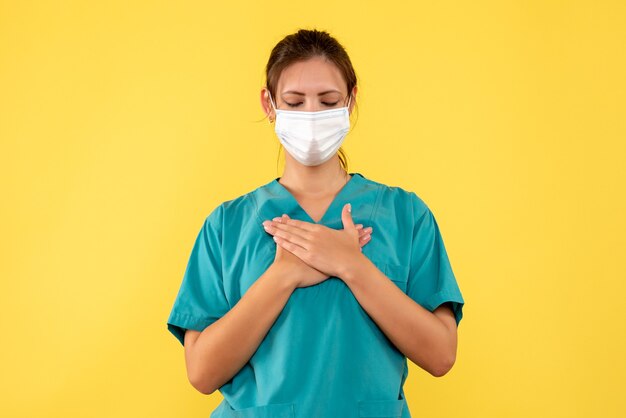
<point x="332" y="251"/>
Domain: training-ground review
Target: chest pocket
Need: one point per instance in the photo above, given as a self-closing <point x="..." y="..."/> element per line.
<point x="397" y="273"/>
<point x="381" y="409"/>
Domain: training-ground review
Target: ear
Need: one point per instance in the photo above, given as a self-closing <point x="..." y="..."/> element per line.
<point x="265" y="104"/>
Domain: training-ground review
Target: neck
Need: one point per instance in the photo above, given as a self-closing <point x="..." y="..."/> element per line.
<point x="314" y="180"/>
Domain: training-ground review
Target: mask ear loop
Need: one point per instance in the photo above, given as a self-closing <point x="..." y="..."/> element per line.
<point x="349" y="98"/>
<point x="272" y="103"/>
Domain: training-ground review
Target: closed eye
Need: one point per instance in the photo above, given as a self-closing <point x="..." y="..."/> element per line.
<point x="299" y="103"/>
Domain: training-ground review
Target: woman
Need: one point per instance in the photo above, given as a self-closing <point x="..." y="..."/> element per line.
<point x="288" y="305"/>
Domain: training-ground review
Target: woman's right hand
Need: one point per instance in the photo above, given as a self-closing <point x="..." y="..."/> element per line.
<point x="303" y="274"/>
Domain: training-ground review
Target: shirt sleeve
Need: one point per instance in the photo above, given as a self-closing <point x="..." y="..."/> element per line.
<point x="201" y="299"/>
<point x="431" y="279"/>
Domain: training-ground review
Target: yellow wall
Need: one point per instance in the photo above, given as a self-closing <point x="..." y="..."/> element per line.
<point x="122" y="126"/>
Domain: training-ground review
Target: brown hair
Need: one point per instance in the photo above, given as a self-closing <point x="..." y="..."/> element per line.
<point x="301" y="46"/>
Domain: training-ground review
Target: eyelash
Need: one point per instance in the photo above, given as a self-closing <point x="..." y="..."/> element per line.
<point x="298" y="104"/>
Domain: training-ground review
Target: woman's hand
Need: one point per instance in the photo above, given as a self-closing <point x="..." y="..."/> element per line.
<point x="295" y="269"/>
<point x="327" y="250"/>
<point x="304" y="274"/>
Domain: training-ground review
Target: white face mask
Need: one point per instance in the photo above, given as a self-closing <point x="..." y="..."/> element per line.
<point x="312" y="138"/>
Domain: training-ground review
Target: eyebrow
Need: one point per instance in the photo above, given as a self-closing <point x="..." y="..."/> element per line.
<point x="319" y="94"/>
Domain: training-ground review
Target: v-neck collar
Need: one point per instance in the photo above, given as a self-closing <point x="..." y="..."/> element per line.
<point x="279" y="200"/>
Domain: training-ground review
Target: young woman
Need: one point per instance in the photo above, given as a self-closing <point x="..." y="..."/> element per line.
<point x="289" y="306"/>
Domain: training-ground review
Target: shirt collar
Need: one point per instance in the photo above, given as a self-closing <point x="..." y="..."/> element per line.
<point x="273" y="199"/>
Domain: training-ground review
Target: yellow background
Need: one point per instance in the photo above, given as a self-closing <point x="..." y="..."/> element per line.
<point x="123" y="125"/>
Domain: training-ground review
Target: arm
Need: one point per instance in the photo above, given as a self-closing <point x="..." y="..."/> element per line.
<point x="216" y="354"/>
<point x="427" y="339"/>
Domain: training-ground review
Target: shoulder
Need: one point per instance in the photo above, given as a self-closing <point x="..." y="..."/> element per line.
<point x="236" y="208"/>
<point x="401" y="198"/>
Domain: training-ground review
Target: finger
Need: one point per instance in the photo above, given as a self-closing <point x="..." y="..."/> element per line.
<point x="346" y="216"/>
<point x="364" y="231"/>
<point x="291" y="247"/>
<point x="292" y="237"/>
<point x="278" y="224"/>
<point x="364" y="240"/>
<point x="307" y="226"/>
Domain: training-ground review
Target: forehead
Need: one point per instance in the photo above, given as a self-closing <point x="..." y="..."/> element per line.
<point x="313" y="75"/>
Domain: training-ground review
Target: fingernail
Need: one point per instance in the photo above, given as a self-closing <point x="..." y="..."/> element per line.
<point x="349" y="208"/>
